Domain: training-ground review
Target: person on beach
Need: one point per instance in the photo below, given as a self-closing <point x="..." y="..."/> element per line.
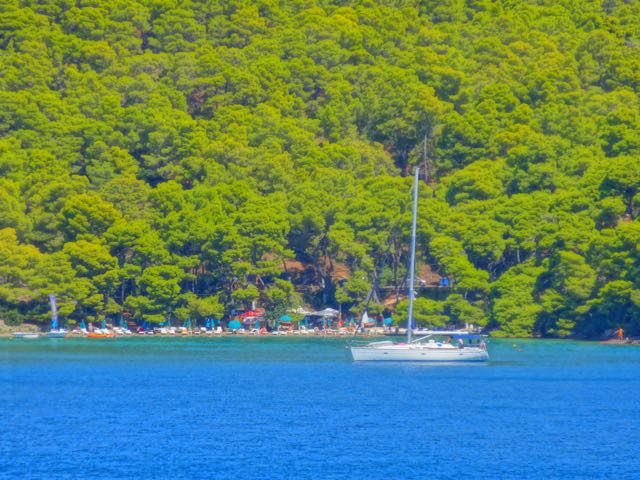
<point x="620" y="333"/>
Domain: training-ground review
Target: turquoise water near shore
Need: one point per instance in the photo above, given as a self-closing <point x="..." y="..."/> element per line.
<point x="202" y="408"/>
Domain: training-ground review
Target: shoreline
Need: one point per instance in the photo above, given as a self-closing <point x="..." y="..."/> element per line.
<point x="320" y="334"/>
<point x="336" y="335"/>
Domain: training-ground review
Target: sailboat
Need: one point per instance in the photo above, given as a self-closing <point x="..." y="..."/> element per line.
<point x="432" y="345"/>
<point x="55" y="332"/>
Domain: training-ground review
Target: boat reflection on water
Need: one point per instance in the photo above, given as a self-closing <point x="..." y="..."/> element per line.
<point x="411" y="365"/>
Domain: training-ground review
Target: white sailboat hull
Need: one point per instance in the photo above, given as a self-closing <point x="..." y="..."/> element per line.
<point x="417" y="353"/>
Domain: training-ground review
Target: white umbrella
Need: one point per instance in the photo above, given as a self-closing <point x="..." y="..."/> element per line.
<point x="301" y="311"/>
<point x="327" y="312"/>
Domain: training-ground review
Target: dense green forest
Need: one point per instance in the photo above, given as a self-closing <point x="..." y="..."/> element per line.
<point x="185" y="158"/>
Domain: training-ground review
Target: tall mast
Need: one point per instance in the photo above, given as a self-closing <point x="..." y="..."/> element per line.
<point x="412" y="264"/>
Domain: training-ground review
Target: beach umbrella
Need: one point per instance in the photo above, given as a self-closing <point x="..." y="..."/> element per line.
<point x="301" y="311"/>
<point x="388" y="321"/>
<point x="250" y="313"/>
<point x="286" y="318"/>
<point x="234" y="324"/>
<point x="327" y="312"/>
<point x="83" y="324"/>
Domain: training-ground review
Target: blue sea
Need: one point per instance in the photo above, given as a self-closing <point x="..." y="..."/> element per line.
<point x="275" y="408"/>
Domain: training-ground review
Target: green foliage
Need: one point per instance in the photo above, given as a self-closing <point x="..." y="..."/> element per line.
<point x="462" y="312"/>
<point x="87" y="214"/>
<point x="617" y="305"/>
<point x="514" y="309"/>
<point x="244" y="297"/>
<point x="426" y="312"/>
<point x="160" y="293"/>
<point x="454" y="312"/>
<point x="354" y="291"/>
<point x="166" y="159"/>
<point x="201" y="308"/>
<point x="280" y="297"/>
<point x="451" y="256"/>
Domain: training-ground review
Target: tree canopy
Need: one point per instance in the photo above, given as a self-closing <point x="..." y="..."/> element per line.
<point x="174" y="159"/>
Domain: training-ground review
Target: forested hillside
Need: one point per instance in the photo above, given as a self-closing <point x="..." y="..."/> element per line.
<point x="176" y="158"/>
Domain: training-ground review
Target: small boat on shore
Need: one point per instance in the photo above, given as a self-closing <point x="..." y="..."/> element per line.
<point x="27" y="335"/>
<point x="100" y="335"/>
<point x="56" y="334"/>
